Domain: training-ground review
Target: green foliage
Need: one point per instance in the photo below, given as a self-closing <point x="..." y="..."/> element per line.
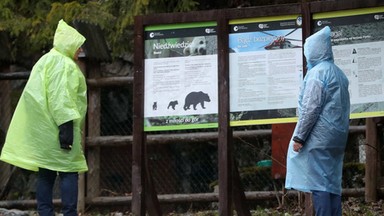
<point x="120" y="34"/>
<point x="31" y="24"/>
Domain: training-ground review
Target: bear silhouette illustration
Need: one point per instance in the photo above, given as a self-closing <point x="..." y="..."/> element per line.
<point x="154" y="106"/>
<point x="195" y="98"/>
<point x="172" y="104"/>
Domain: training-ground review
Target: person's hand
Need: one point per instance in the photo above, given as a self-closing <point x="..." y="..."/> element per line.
<point x="297" y="146"/>
<point x="66" y="135"/>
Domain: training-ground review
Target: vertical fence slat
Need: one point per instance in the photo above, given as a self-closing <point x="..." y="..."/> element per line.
<point x="225" y="152"/>
<point x="5" y="113"/>
<point x="307" y="30"/>
<point x="138" y="161"/>
<point x="81" y="181"/>
<point x="93" y="154"/>
<point x="371" y="152"/>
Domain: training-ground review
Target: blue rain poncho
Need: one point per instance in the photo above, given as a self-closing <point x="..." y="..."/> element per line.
<point x="323" y="122"/>
<point x="54" y="94"/>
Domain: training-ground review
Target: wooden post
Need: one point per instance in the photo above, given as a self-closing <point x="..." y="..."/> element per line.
<point x="308" y="204"/>
<point x="93" y="154"/>
<point x="81" y="181"/>
<point x="138" y="161"/>
<point x="307" y="30"/>
<point x="371" y="152"/>
<point x="81" y="193"/>
<point x="5" y="96"/>
<point x="5" y="119"/>
<point x="230" y="188"/>
<point x="225" y="156"/>
<point x="379" y="126"/>
<point x="144" y="196"/>
<point x="151" y="200"/>
<point x="239" y="199"/>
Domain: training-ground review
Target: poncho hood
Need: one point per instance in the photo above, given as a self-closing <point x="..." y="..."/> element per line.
<point x="67" y="40"/>
<point x="318" y="47"/>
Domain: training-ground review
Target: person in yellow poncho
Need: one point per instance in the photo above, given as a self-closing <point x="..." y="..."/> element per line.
<point x="45" y="131"/>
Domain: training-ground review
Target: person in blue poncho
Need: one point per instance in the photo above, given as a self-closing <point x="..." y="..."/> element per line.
<point x="45" y="131"/>
<point x="316" y="152"/>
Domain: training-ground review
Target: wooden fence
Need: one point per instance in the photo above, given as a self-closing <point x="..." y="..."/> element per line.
<point x="90" y="182"/>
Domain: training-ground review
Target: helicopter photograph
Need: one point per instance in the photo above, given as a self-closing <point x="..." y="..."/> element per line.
<point x="265" y="40"/>
<point x="282" y="42"/>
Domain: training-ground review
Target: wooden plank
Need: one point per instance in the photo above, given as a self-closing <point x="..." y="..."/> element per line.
<point x="230" y="189"/>
<point x="210" y="15"/>
<point x="371" y="162"/>
<point x="307" y="30"/>
<point x="327" y="6"/>
<point x="81" y="180"/>
<point x="178" y="198"/>
<point x="165" y="139"/>
<point x="5" y="96"/>
<point x="110" y="81"/>
<point x="152" y="201"/>
<point x="14" y="75"/>
<point x="93" y="125"/>
<point x="138" y="151"/>
<point x="239" y="198"/>
<point x="264" y="11"/>
<point x="309" y="209"/>
<point x="225" y="147"/>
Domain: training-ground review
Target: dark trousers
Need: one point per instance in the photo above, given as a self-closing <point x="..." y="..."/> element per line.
<point x="68" y="189"/>
<point x="326" y="204"/>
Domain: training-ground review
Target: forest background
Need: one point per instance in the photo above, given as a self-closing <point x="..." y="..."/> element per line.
<point x="31" y="24"/>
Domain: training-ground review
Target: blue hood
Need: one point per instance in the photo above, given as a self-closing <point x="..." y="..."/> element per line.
<point x="318" y="47"/>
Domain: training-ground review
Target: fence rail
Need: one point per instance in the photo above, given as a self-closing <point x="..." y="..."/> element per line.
<point x="179" y="198"/>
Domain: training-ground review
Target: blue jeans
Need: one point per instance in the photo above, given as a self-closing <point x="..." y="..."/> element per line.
<point x="68" y="189"/>
<point x="326" y="204"/>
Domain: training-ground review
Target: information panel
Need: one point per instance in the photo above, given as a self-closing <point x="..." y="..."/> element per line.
<point x="266" y="69"/>
<point x="358" y="49"/>
<point x="181" y="76"/>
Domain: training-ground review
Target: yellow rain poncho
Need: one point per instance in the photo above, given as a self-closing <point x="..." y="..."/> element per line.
<point x="54" y="94"/>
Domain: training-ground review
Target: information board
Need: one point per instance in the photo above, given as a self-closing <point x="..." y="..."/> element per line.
<point x="266" y="69"/>
<point x="181" y="76"/>
<point x="358" y="49"/>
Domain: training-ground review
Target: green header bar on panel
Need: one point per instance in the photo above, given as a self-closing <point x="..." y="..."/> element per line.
<point x="262" y="19"/>
<point x="353" y="12"/>
<point x="179" y="26"/>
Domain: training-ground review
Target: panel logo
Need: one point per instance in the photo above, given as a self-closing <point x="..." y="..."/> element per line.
<point x="378" y="16"/>
<point x="239" y="28"/>
<point x="210" y="31"/>
<point x="263" y="26"/>
<point x="320" y="23"/>
<point x="155" y="34"/>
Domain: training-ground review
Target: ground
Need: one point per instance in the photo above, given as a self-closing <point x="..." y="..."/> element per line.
<point x="351" y="207"/>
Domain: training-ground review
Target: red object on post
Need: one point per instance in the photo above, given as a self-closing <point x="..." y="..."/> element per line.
<point x="281" y="136"/>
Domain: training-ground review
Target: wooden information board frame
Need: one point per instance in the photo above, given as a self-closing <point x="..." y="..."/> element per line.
<point x="144" y="196"/>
